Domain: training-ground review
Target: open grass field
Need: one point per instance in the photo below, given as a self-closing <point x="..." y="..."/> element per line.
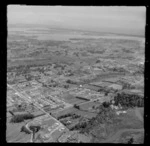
<point x="71" y="99"/>
<point x="89" y="105"/>
<point x="76" y="111"/>
<point x="85" y="114"/>
<point x="56" y="134"/>
<point x="48" y="122"/>
<point x="13" y="133"/>
<point x="138" y="136"/>
<point x="112" y="133"/>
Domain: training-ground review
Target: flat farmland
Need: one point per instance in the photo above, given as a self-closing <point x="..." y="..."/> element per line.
<point x="48" y="122"/>
<point x="13" y="133"/>
<point x="37" y="113"/>
<point x="85" y="113"/>
<point x="88" y="105"/>
<point x="76" y="111"/>
<point x="71" y="99"/>
<point x="56" y="134"/>
<point x="41" y="61"/>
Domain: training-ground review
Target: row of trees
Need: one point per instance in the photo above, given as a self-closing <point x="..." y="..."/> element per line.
<point x="64" y="116"/>
<point x="73" y="116"/>
<point x="20" y="118"/>
<point x="80" y="126"/>
<point x="82" y="98"/>
<point x="129" y="100"/>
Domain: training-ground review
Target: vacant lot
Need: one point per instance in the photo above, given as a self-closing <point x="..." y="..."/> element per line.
<point x="13" y="133"/>
<point x="81" y="112"/>
<point x="137" y="135"/>
<point x="72" y="99"/>
<point x="89" y="105"/>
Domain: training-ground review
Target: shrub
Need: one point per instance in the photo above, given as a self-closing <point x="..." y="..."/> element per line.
<point x="35" y="128"/>
<point x="106" y="104"/>
<point x="76" y="106"/>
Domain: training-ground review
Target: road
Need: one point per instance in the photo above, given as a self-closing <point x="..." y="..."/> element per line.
<point x="25" y="96"/>
<point x="49" y="134"/>
<point x="28" y="98"/>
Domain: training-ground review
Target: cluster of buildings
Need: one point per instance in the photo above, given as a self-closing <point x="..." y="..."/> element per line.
<point x="46" y="89"/>
<point x="51" y="130"/>
<point x="13" y="98"/>
<point x="87" y="94"/>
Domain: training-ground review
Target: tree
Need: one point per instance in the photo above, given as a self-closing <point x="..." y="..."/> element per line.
<point x="131" y="140"/>
<point x="106" y="104"/>
<point x="76" y="106"/>
<point x="98" y="61"/>
<point x="32" y="105"/>
<point x="93" y="107"/>
<point x="34" y="129"/>
<point x="20" y="118"/>
<point x="66" y="86"/>
<point x="69" y="81"/>
<point x="11" y="113"/>
<point x="106" y="93"/>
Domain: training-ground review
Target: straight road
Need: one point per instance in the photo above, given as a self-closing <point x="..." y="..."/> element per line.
<point x="25" y="96"/>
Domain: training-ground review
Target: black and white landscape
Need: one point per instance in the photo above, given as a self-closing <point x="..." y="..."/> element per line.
<point x="75" y="74"/>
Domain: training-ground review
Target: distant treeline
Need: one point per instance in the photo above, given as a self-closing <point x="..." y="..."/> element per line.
<point x="38" y="62"/>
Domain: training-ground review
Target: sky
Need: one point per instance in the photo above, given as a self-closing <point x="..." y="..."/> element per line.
<point x="113" y="19"/>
